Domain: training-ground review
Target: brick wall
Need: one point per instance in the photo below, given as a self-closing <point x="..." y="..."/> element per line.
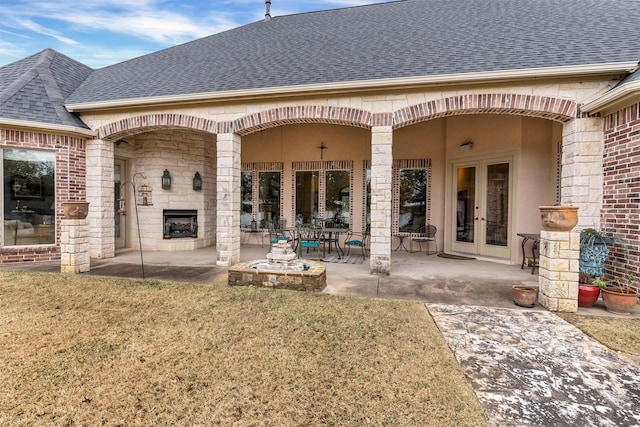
<point x="621" y="201"/>
<point x="70" y="183"/>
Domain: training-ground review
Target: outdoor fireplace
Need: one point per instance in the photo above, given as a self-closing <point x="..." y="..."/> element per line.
<point x="179" y="223"/>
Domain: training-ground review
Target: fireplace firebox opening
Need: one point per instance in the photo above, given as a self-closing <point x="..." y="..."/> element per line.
<point x="179" y="223"/>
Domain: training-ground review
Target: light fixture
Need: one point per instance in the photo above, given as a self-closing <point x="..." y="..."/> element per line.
<point x="466" y="146"/>
<point x="166" y="180"/>
<point x="197" y="182"/>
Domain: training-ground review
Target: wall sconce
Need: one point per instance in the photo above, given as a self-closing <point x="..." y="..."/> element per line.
<point x="166" y="180"/>
<point x="466" y="146"/>
<point x="197" y="182"/>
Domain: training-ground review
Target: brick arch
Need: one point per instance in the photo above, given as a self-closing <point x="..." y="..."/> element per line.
<point x="546" y="107"/>
<point x="150" y="122"/>
<point x="302" y="114"/>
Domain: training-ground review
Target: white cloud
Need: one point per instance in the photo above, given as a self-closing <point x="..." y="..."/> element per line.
<point x="37" y="28"/>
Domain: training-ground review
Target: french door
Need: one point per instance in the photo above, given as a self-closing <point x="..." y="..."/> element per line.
<point x="482" y="206"/>
<point x="120" y="195"/>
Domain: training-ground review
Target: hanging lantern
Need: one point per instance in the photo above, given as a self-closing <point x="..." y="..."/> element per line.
<point x="121" y="207"/>
<point x="144" y="195"/>
<point x="197" y="182"/>
<point x="166" y="180"/>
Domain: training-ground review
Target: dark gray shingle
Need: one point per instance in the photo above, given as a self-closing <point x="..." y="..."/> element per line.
<point x="34" y="88"/>
<point x="386" y="40"/>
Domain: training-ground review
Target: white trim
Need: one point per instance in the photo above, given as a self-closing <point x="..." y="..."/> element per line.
<point x="614" y="96"/>
<point x="47" y="127"/>
<point x="529" y="73"/>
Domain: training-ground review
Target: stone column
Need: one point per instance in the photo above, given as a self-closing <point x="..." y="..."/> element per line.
<point x="100" y="176"/>
<point x="558" y="276"/>
<point x="228" y="199"/>
<point x="74" y="246"/>
<point x="381" y="191"/>
<point x="582" y="174"/>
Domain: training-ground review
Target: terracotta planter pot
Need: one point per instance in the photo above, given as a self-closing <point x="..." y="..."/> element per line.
<point x="558" y="218"/>
<point x="524" y="296"/>
<point x="587" y="295"/>
<point x="616" y="300"/>
<point x="75" y="210"/>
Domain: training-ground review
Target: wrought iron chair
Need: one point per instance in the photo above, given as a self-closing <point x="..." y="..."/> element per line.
<point x="426" y="234"/>
<point x="358" y="240"/>
<point x="310" y="238"/>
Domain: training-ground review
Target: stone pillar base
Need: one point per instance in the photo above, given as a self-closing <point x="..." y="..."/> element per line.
<point x="74" y="246"/>
<point x="558" y="278"/>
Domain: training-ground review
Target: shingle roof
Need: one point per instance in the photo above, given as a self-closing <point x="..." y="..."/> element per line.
<point x="386" y="40"/>
<point x="34" y="89"/>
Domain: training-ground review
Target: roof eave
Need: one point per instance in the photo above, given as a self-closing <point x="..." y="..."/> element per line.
<point x="441" y="79"/>
<point x="49" y="127"/>
<point x="615" y="99"/>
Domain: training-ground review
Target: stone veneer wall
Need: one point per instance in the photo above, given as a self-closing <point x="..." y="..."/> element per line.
<point x="558" y="274"/>
<point x="621" y="205"/>
<point x="183" y="153"/>
<point x="581" y="180"/>
<point x="70" y="183"/>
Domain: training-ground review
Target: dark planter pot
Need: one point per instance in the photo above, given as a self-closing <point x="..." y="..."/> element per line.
<point x="616" y="300"/>
<point x="587" y="294"/>
<point x="524" y="296"/>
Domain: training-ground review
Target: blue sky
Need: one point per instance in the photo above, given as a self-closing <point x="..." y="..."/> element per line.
<point x="104" y="32"/>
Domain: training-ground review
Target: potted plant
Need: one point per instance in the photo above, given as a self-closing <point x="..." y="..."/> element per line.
<point x="588" y="290"/>
<point x="621" y="297"/>
<point x="594" y="251"/>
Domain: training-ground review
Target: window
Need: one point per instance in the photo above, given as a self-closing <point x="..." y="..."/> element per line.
<point x="307" y="194"/>
<point x="337" y="197"/>
<point x="261" y="194"/>
<point x="269" y="196"/>
<point x="246" y="213"/>
<point x="411" y="194"/>
<point x="413" y="199"/>
<point x="28" y="197"/>
<point x="323" y="192"/>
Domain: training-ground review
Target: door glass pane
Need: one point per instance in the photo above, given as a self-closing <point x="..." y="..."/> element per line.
<point x="29" y="197"/>
<point x="368" y="197"/>
<point x="117" y="194"/>
<point x="337" y="197"/>
<point x="497" y="204"/>
<point x="269" y="196"/>
<point x="466" y="202"/>
<point x="307" y="197"/>
<point x="246" y="214"/>
<point x="413" y="199"/>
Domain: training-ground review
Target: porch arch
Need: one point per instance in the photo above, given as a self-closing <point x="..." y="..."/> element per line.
<point x="303" y="114"/>
<point x="546" y="107"/>
<point x="133" y="125"/>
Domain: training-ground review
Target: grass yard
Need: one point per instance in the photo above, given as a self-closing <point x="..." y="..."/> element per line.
<point x="620" y="334"/>
<point x="86" y="350"/>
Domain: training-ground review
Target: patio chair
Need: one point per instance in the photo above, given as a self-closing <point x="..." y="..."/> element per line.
<point x="310" y="238"/>
<point x="426" y="234"/>
<point x="357" y="240"/>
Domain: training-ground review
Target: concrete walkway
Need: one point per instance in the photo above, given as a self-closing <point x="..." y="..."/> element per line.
<point x="527" y="366"/>
<point x="531" y="368"/>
